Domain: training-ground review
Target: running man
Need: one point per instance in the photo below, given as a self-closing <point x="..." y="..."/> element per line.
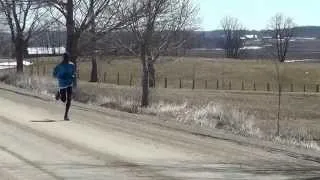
<point x="65" y="73"/>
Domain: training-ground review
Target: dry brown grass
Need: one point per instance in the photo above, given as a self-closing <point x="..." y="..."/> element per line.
<point x="203" y="69"/>
<point x="244" y="113"/>
<point x="298" y="109"/>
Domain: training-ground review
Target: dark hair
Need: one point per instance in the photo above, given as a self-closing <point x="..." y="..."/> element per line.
<point x="66" y="58"/>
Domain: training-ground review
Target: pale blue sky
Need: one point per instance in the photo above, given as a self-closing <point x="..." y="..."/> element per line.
<point x="256" y="14"/>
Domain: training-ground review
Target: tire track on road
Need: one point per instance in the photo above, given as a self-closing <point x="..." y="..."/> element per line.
<point x="27" y="161"/>
<point x="113" y="162"/>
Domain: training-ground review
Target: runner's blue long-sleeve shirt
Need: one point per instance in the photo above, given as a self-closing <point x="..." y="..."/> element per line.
<point x="65" y="73"/>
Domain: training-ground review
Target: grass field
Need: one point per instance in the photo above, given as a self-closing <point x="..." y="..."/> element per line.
<point x="228" y="72"/>
<point x="299" y="110"/>
<point x="244" y="111"/>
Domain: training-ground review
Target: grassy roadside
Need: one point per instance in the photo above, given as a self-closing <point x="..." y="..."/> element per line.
<point x="242" y="113"/>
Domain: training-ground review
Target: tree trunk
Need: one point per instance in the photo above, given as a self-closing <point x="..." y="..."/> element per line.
<point x="74" y="57"/>
<point x="71" y="44"/>
<point x="145" y="77"/>
<point x="145" y="86"/>
<point x="94" y="70"/>
<point x="70" y="26"/>
<point x="279" y="108"/>
<point x="152" y="74"/>
<point x="19" y="52"/>
<point x="25" y="49"/>
<point x="19" y="59"/>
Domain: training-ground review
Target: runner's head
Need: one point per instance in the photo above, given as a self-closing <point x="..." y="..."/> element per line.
<point x="66" y="58"/>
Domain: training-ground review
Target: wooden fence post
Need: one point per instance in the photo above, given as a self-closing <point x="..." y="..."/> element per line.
<point x="105" y="77"/>
<point x="206" y="84"/>
<point x="254" y="86"/>
<point x="217" y="84"/>
<point x="165" y="82"/>
<point x="304" y="88"/>
<point x="38" y="69"/>
<point x="180" y="83"/>
<point x="230" y="85"/>
<point x="193" y="84"/>
<point x="242" y="85"/>
<point x="130" y="80"/>
<point x="280" y="88"/>
<point x="291" y="88"/>
<point x="44" y="70"/>
<point x="268" y="86"/>
<point x="317" y="88"/>
<point x="118" y="78"/>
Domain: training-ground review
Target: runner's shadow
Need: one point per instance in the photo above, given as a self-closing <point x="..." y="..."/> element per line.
<point x="44" y="121"/>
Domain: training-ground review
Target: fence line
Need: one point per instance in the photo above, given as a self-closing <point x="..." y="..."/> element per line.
<point x="217" y="84"/>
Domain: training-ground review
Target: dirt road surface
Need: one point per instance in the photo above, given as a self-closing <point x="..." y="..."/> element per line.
<point x="35" y="144"/>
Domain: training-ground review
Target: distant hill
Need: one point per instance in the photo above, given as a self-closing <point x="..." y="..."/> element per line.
<point x="308" y="31"/>
<point x="300" y="31"/>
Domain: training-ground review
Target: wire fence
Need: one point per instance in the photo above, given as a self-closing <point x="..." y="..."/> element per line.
<point x="134" y="79"/>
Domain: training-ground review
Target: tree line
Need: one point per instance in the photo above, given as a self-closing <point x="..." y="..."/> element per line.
<point x="154" y="25"/>
<point x="280" y="30"/>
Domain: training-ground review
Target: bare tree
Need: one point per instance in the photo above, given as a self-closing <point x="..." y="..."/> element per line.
<point x="23" y="19"/>
<point x="279" y="94"/>
<point x="155" y="24"/>
<point x="233" y="32"/>
<point x="282" y="30"/>
<point x="79" y="15"/>
<point x="277" y="78"/>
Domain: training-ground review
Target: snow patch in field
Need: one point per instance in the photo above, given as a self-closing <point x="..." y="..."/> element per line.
<point x="45" y="50"/>
<point x="301" y="60"/>
<point x="8" y="65"/>
<point x="252" y="47"/>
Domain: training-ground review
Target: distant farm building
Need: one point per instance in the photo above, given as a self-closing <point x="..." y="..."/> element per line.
<point x="46" y="51"/>
<point x="249" y="37"/>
